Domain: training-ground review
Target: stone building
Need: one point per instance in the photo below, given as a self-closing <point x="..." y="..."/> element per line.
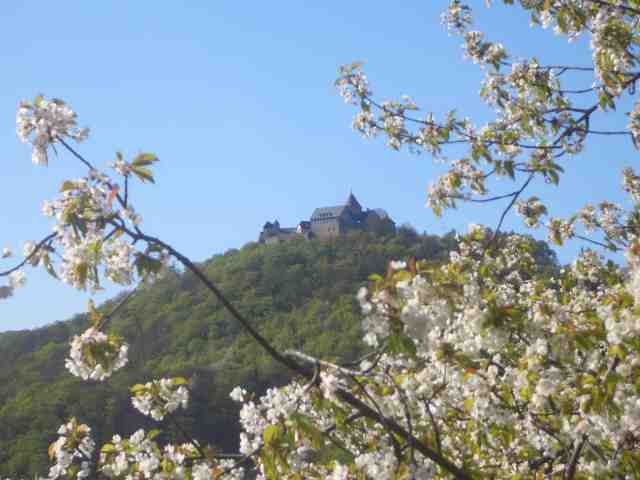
<point x="331" y="222"/>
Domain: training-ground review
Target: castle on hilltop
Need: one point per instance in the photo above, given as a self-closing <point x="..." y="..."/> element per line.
<point x="331" y="222"/>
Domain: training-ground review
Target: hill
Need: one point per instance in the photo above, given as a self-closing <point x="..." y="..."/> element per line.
<point x="300" y="294"/>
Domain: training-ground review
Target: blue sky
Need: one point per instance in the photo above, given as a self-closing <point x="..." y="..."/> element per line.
<point x="237" y="100"/>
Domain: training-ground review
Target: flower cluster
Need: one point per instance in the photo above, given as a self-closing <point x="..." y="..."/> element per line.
<point x="631" y="184"/>
<point x="139" y="456"/>
<point x="95" y="355"/>
<point x="83" y="213"/>
<point x="17" y="279"/>
<point x="457" y="17"/>
<point x="352" y="83"/>
<point x="612" y="44"/>
<point x="481" y="52"/>
<point x="160" y="397"/>
<point x="634" y="124"/>
<point x="531" y="210"/>
<point x="91" y="218"/>
<point x="461" y="181"/>
<point x="560" y="230"/>
<point x="72" y="452"/>
<point x="45" y="122"/>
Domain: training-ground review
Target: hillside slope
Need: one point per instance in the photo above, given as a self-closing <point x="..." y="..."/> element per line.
<point x="300" y="294"/>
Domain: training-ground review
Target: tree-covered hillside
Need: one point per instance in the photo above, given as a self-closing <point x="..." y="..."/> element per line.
<point x="300" y="294"/>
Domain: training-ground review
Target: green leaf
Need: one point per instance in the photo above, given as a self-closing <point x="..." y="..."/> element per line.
<point x="400" y="343"/>
<point x="179" y="381"/>
<point x="144" y="159"/>
<point x="341" y="417"/>
<point x="307" y="428"/>
<point x="94" y="315"/>
<point x="468" y="405"/>
<point x="269" y="466"/>
<point x="271" y="435"/>
<point x="108" y="448"/>
<point x="81" y="272"/>
<point x="67" y="185"/>
<point x="509" y="168"/>
<point x="143" y="173"/>
<point x="137" y="388"/>
<point x="402" y="275"/>
<point x="48" y="266"/>
<point x="145" y="264"/>
<point x="154" y="433"/>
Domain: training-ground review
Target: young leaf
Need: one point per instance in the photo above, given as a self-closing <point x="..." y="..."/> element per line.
<point x="144" y="159"/>
<point x="143" y="173"/>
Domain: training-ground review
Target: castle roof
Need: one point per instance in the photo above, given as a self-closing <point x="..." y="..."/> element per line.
<point x="382" y="213"/>
<point x="334" y="212"/>
<point x="327" y="212"/>
<point x="352" y="201"/>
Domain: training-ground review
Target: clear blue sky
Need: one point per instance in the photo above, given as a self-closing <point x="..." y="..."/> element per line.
<point x="237" y="100"/>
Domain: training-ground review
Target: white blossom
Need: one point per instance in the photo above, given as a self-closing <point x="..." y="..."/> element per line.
<point x="95" y="355"/>
<point x="45" y="122"/>
<point x="160" y="397"/>
<point x="17" y="279"/>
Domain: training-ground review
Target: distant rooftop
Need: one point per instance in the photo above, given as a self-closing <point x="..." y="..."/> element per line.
<point x="327" y="212"/>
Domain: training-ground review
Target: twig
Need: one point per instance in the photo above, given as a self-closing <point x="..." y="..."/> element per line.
<point x="121" y="303"/>
<point x="40" y="245"/>
<point x="315" y="361"/>
<point x="434" y="425"/>
<point x="611" y="247"/>
<point x="571" y="468"/>
<point x="509" y="206"/>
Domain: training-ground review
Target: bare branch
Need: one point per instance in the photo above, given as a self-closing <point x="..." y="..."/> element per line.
<point x="315" y="361"/>
<point x="116" y="309"/>
<point x="434" y="425"/>
<point x="510" y="205"/>
<point x="39" y="246"/>
<point x="610" y="247"/>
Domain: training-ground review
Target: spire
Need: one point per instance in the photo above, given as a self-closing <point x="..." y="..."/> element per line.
<point x="352" y="201"/>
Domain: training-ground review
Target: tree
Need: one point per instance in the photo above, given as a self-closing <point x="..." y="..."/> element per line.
<point x="489" y="366"/>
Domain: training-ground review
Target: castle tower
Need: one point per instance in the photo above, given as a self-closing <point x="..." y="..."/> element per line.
<point x="354" y="205"/>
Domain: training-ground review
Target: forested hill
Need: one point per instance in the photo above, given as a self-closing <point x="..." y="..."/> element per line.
<point x="300" y="294"/>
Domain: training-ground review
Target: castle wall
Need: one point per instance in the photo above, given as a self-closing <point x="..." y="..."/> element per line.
<point x="326" y="228"/>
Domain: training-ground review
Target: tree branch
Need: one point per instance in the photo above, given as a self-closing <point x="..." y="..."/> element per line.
<point x="39" y="246"/>
<point x="571" y="467"/>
